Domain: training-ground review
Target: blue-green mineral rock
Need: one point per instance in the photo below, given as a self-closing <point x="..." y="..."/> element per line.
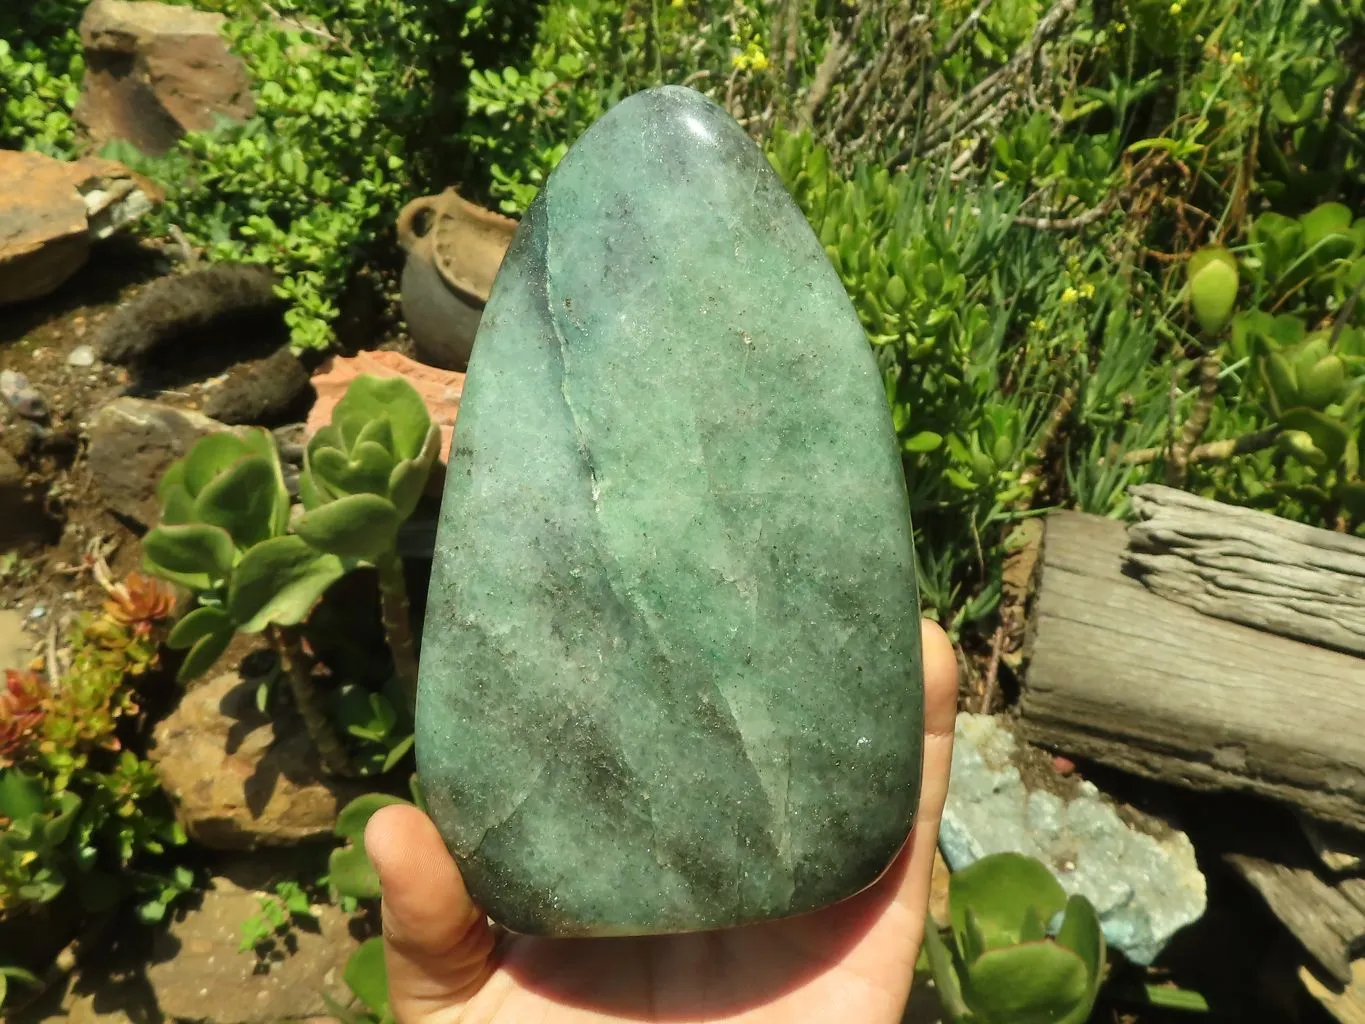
<point x="671" y="671"/>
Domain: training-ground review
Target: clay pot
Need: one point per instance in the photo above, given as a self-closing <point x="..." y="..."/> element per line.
<point x="454" y="250"/>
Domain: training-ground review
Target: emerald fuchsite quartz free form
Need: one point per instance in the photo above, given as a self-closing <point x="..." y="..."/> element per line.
<point x="670" y="675"/>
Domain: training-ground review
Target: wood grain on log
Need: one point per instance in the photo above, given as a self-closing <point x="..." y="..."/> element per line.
<point x="1330" y="927"/>
<point x="1124" y="677"/>
<point x="1346" y="1004"/>
<point x="1250" y="567"/>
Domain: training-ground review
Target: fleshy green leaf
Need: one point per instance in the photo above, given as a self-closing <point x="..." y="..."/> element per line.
<point x="1000" y="888"/>
<point x="367" y="976"/>
<point x="410" y="477"/>
<point x="21" y="796"/>
<point x="243" y="500"/>
<point x="195" y="554"/>
<point x="924" y="441"/>
<point x="278" y="582"/>
<point x="1323" y="383"/>
<point x="1032" y="983"/>
<point x="353" y="818"/>
<point x="370" y="398"/>
<point x="210" y="456"/>
<point x="350" y="870"/>
<point x="1329" y="435"/>
<point x="377" y="431"/>
<point x="197" y="625"/>
<point x="204" y="654"/>
<point x="942" y="967"/>
<point x="359" y="526"/>
<point x="1081" y="933"/>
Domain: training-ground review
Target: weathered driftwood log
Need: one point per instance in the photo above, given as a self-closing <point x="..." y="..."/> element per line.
<point x="1345" y="1004"/>
<point x="1330" y="926"/>
<point x="1124" y="677"/>
<point x="1250" y="567"/>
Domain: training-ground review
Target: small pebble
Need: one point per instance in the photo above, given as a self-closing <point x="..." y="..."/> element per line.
<point x="81" y="355"/>
<point x="38" y="612"/>
<point x="22" y="398"/>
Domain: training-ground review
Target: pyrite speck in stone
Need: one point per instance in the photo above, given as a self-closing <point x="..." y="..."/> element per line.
<point x="671" y="676"/>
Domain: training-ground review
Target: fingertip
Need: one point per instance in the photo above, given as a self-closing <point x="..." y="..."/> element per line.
<point x="393" y="832"/>
<point x="940" y="678"/>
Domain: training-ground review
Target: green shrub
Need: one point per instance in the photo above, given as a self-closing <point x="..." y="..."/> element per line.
<point x="40" y="73"/>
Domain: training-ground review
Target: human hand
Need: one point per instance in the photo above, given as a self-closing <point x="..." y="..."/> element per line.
<point x="849" y="962"/>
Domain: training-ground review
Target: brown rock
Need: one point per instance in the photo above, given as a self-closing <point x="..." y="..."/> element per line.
<point x="197" y="972"/>
<point x="156" y="71"/>
<point x="132" y="442"/>
<point x="50" y="213"/>
<point x="240" y="779"/>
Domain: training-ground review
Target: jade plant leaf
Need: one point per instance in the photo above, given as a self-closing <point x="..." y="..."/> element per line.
<point x="278" y="582"/>
<point x="206" y="632"/>
<point x="1329" y="436"/>
<point x="195" y="554"/>
<point x="999" y="890"/>
<point x="242" y="500"/>
<point x="358" y="526"/>
<point x="392" y="398"/>
<point x="367" y="976"/>
<point x="1033" y="983"/>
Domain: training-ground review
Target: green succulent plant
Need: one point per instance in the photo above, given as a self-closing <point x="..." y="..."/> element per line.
<point x="223" y="534"/>
<point x="1002" y="963"/>
<point x="364" y="472"/>
<point x="363" y="475"/>
<point x="225" y="513"/>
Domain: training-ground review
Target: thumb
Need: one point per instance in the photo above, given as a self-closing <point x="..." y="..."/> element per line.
<point x="437" y="943"/>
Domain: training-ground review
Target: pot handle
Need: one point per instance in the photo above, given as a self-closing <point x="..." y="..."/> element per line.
<point x="408" y="235"/>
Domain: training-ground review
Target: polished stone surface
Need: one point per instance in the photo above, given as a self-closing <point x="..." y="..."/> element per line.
<point x="671" y="671"/>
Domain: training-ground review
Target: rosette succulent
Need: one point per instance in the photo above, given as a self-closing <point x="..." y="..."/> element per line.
<point x="1019" y="951"/>
<point x="363" y="475"/>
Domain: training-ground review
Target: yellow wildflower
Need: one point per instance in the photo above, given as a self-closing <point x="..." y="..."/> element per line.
<point x="1237" y="58"/>
<point x="1070" y="295"/>
<point x="1087" y="290"/>
<point x="1176" y="8"/>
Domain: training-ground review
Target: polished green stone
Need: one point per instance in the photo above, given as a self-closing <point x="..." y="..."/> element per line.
<point x="670" y="673"/>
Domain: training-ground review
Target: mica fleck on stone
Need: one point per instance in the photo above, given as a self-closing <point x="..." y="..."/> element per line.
<point x="671" y="676"/>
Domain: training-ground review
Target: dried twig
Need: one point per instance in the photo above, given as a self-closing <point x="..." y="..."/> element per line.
<point x="968" y="107"/>
<point x="1046" y="439"/>
<point x="832" y="64"/>
<point x="868" y="79"/>
<point x="1210" y="451"/>
<point x="1075" y="223"/>
<point x="1178" y="464"/>
<point x="990" y="684"/>
<point x="954" y="41"/>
